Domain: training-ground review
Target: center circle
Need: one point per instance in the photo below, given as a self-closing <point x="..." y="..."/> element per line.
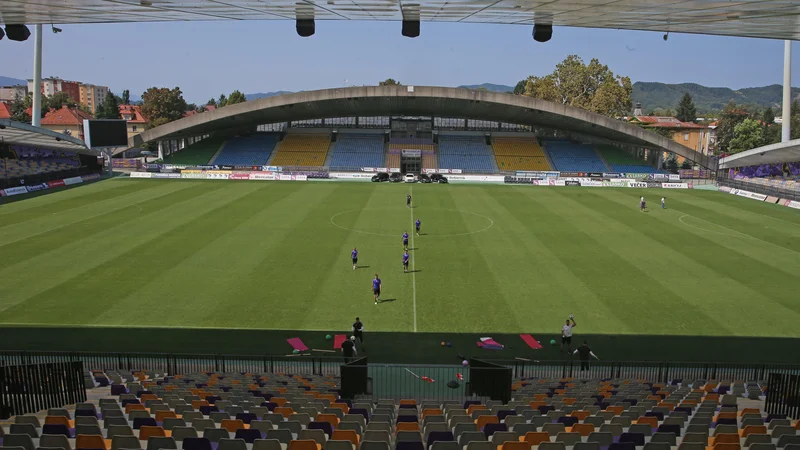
<point x="432" y="220"/>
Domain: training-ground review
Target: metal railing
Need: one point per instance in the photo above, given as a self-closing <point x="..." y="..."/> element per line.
<point x="760" y="189"/>
<point x="28" y="388"/>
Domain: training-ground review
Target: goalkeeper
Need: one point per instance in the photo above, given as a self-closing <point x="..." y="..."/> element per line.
<point x="566" y="334"/>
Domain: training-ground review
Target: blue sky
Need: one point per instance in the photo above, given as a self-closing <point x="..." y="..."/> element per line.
<point x="208" y="58"/>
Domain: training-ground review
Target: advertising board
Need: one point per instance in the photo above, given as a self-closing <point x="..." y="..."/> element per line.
<point x="674" y="185"/>
<point x="15" y="191"/>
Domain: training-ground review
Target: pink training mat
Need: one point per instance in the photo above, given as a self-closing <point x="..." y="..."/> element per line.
<point x="532" y="343"/>
<point x="297" y="344"/>
<point x="338" y="340"/>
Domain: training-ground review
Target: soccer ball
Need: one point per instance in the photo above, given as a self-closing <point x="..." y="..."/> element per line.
<point x="571" y="316"/>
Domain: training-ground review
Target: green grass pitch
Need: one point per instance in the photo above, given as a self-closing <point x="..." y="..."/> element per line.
<point x="276" y="255"/>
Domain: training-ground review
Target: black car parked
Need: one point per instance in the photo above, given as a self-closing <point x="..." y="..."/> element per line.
<point x="424" y="178"/>
<point x="438" y="178"/>
<point x="396" y="177"/>
<point x="380" y="177"/>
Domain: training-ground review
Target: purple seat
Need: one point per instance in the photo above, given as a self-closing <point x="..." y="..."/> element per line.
<point x="632" y="401"/>
<point x="722" y="390"/>
<point x="440" y="436"/>
<point x="635" y="438"/>
<point x="212" y="398"/>
<point x="502" y="414"/>
<point x="656" y="414"/>
<point x="246" y="417"/>
<point x="361" y="411"/>
<point x="674" y="429"/>
<point x="407" y="419"/>
<point x="85" y="413"/>
<point x="544" y="409"/>
<point x="490" y="428"/>
<point x="471" y="402"/>
<point x="141" y="393"/>
<point x="324" y="426"/>
<point x="102" y="381"/>
<point x="118" y="389"/>
<point x="139" y="422"/>
<point x="409" y="446"/>
<point x="724" y="421"/>
<point x="248" y="435"/>
<point x="622" y="446"/>
<point x="130" y="401"/>
<point x="56" y="429"/>
<point x="207" y="410"/>
<point x="408" y="406"/>
<point x="775" y="416"/>
<point x="685" y="409"/>
<point x="677" y="381"/>
<point x="270" y="406"/>
<point x="568" y="421"/>
<point x="196" y="443"/>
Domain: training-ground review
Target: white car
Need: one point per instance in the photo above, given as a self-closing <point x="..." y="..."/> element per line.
<point x="411" y="178"/>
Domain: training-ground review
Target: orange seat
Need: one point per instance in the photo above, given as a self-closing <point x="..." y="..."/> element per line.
<point x="656" y="398"/>
<point x="343" y="406"/>
<point x="583" y="428"/>
<point x="345" y="435"/>
<point x="749" y="411"/>
<point x="617" y="410"/>
<point x="754" y="429"/>
<point x="280" y="401"/>
<point x="580" y="415"/>
<point x="569" y="401"/>
<point x="797" y="425"/>
<point x="135" y="407"/>
<point x="669" y="405"/>
<point x="146" y="432"/>
<point x="536" y="404"/>
<point x="725" y="438"/>
<point x="474" y="408"/>
<point x="710" y="387"/>
<point x="689" y="403"/>
<point x="652" y="421"/>
<point x="727" y="446"/>
<point x="146" y="397"/>
<point x="90" y="441"/>
<point x="161" y="415"/>
<point x="481" y="421"/>
<point x="535" y="437"/>
<point x="726" y="415"/>
<point x="284" y="411"/>
<point x="57" y="420"/>
<point x="232" y="424"/>
<point x="408" y="402"/>
<point x="431" y="412"/>
<point x="408" y="426"/>
<point x="196" y="404"/>
<point x="511" y="445"/>
<point x="712" y="396"/>
<point x="540" y="397"/>
<point x="330" y="418"/>
<point x="305" y="444"/>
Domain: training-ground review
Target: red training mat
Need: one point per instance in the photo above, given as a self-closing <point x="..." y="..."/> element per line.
<point x="338" y="340"/>
<point x="532" y="343"/>
<point x="297" y="344"/>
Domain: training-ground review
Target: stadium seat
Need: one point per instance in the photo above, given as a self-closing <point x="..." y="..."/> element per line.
<point x="468" y="153"/>
<point x="252" y="150"/>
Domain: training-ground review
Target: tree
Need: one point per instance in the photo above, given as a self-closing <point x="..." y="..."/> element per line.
<point x="731" y="116"/>
<point x="110" y="108"/>
<point x="389" y="82"/>
<point x="28" y="101"/>
<point x="191" y="107"/>
<point x="519" y="89"/>
<point x="592" y="87"/>
<point x="686" y="110"/>
<point x="686" y="164"/>
<point x="162" y="105"/>
<point x="126" y="97"/>
<point x="236" y="97"/>
<point x="211" y="102"/>
<point x="18" y="110"/>
<point x="57" y="100"/>
<point x="748" y="134"/>
<point x="672" y="163"/>
<point x="222" y="101"/>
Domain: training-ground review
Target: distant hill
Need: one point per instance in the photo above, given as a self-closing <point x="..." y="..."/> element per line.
<point x="259" y="95"/>
<point x="489" y="87"/>
<point x="707" y="99"/>
<point x="8" y="81"/>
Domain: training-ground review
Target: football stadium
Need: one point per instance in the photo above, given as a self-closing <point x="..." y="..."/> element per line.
<point x="394" y="267"/>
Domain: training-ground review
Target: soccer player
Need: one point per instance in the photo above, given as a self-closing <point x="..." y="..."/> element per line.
<point x="376" y="288"/>
<point x="405" y="241"/>
<point x="585" y="352"/>
<point x="566" y="334"/>
<point x="408" y="200"/>
<point x="358" y="331"/>
<point x="354" y="256"/>
<point x="418" y="224"/>
<point x="405" y="262"/>
<point x="663" y="203"/>
<point x="642" y="205"/>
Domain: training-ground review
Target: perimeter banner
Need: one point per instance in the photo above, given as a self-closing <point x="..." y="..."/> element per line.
<point x="791" y="204"/>
<point x="194" y="176"/>
<point x="57" y="183"/>
<point x="133" y="175"/>
<point x="73" y="180"/>
<point x="15" y="191"/>
<point x="38" y="187"/>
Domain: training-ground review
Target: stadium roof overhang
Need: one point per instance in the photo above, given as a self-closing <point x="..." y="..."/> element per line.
<point x="416" y="101"/>
<point x="24" y="134"/>
<point x="774" y="19"/>
<point x="769" y="154"/>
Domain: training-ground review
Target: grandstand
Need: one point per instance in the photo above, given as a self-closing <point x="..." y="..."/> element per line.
<point x="302" y="150"/>
<point x="198" y="153"/>
<point x="426" y="146"/>
<point x="573" y="157"/>
<point x="353" y="151"/>
<point x="252" y="150"/>
<point x="525" y="153"/>
<point x="622" y="161"/>
<point x="468" y="153"/>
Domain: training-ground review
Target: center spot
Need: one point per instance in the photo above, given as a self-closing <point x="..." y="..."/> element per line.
<point x="392" y="222"/>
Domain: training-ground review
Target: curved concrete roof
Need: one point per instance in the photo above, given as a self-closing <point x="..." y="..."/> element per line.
<point x="769" y="154"/>
<point x="415" y="101"/>
<point x="24" y="134"/>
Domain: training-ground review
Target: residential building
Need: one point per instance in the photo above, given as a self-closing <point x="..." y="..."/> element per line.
<point x="195" y="111"/>
<point x="688" y="134"/>
<point x="89" y="95"/>
<point x="93" y="96"/>
<point x="132" y="114"/>
<point x="65" y="120"/>
<point x="9" y="93"/>
<point x="5" y="110"/>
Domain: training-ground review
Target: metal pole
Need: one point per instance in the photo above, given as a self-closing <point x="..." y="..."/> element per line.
<point x="786" y="125"/>
<point x="37" y="77"/>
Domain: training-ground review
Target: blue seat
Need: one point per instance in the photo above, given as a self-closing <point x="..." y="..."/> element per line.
<point x="252" y="150"/>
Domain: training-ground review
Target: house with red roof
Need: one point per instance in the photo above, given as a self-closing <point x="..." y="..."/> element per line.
<point x="5" y="110"/>
<point x="688" y="134"/>
<point x="132" y="114"/>
<point x="66" y="120"/>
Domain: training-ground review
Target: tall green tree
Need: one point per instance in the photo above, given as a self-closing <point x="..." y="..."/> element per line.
<point x="592" y="87"/>
<point x="686" y="110"/>
<point x="732" y="115"/>
<point x="236" y="97"/>
<point x="110" y="108"/>
<point x="18" y="110"/>
<point x="389" y="82"/>
<point x="126" y="97"/>
<point x="28" y="101"/>
<point x="747" y="135"/>
<point x="519" y="88"/>
<point x="686" y="164"/>
<point x="211" y="102"/>
<point x="162" y="105"/>
<point x="57" y="100"/>
<point x="222" y="101"/>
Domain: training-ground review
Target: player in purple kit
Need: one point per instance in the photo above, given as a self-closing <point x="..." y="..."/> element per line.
<point x="418" y="224"/>
<point x="354" y="256"/>
<point x="405" y="240"/>
<point x="408" y="200"/>
<point x="376" y="288"/>
<point x="405" y="262"/>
